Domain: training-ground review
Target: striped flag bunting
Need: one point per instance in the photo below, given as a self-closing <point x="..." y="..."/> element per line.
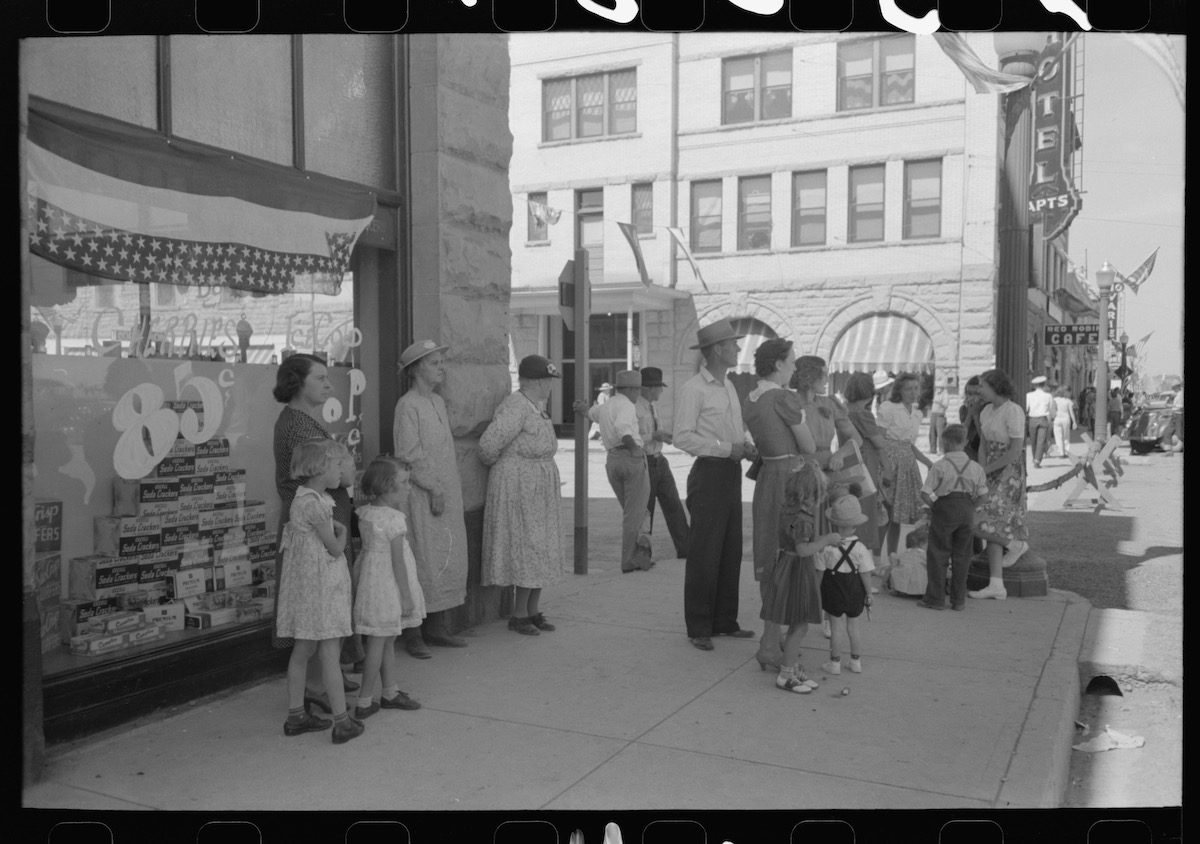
<point x="630" y="233"/>
<point x="680" y="240"/>
<point x="120" y="202"/>
<point x="983" y="78"/>
<point x="1136" y="278"/>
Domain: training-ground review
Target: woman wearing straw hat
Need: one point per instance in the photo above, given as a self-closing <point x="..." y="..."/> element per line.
<point x="522" y="540"/>
<point x="421" y="430"/>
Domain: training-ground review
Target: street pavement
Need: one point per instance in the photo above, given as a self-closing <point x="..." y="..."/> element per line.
<point x="616" y="710"/>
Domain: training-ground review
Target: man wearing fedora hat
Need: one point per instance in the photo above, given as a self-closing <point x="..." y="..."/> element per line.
<point x="662" y="482"/>
<point x="1039" y="408"/>
<point x="708" y="426"/>
<point x="626" y="466"/>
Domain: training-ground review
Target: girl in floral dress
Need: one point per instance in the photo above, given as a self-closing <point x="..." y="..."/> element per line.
<point x="314" y="589"/>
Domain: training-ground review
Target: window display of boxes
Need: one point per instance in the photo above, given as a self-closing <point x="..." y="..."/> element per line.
<point x="229" y="487"/>
<point x="75" y="616"/>
<point x="196" y="492"/>
<point x="145" y="496"/>
<point x="166" y="616"/>
<point x="100" y="576"/>
<point x="47" y="567"/>
<point x="127" y="536"/>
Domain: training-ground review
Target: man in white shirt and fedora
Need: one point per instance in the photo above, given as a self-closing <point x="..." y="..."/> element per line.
<point x="1040" y="410"/>
<point x="708" y="426"/>
<point x="626" y="467"/>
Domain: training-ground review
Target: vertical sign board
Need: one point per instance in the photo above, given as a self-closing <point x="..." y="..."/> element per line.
<point x="581" y="311"/>
<point x="1113" y="317"/>
<point x="1052" y="195"/>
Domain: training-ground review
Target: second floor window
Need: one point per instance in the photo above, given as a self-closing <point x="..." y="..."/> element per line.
<point x="875" y="73"/>
<point x="590" y="106"/>
<point x="754" y="212"/>
<point x="866" y="204"/>
<point x="922" y="198"/>
<point x="756" y="87"/>
<point x="706" y="216"/>
<point x="808" y="208"/>
<point x="642" y="212"/>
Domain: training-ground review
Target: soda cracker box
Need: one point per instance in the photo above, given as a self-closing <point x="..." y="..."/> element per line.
<point x="118" y="622"/>
<point x="94" y="644"/>
<point x="229" y="486"/>
<point x="145" y="496"/>
<point x="145" y="634"/>
<point x="171" y="467"/>
<point x="100" y="576"/>
<point x="75" y="616"/>
<point x="196" y="492"/>
<point x="215" y="447"/>
<point x="127" y="536"/>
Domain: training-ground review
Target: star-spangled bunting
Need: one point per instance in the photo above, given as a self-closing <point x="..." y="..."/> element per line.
<point x="84" y="245"/>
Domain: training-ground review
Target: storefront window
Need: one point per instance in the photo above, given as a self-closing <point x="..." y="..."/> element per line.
<point x="156" y="507"/>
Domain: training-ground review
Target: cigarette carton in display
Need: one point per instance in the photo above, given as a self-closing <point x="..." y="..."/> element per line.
<point x="188" y="582"/>
<point x="118" y="622"/>
<point x="166" y="616"/>
<point x="93" y="644"/>
<point x="74" y="617"/>
<point x="127" y="536"/>
<point x="145" y="496"/>
<point x="99" y="576"/>
<point x="47" y="525"/>
<point x="147" y="633"/>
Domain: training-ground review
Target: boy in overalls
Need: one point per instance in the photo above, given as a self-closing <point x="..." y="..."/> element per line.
<point x="954" y="485"/>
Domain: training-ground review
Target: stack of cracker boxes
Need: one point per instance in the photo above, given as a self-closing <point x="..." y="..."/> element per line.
<point x="183" y="549"/>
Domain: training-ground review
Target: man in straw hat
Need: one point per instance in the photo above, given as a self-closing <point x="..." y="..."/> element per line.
<point x="708" y="426"/>
<point x="626" y="466"/>
<point x="1039" y="407"/>
<point x="662" y="482"/>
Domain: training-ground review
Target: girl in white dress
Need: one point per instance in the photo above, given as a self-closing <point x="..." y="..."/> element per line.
<point x="389" y="598"/>
<point x="314" y="589"/>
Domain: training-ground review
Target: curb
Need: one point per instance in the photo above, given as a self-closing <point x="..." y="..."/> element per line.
<point x="1038" y="774"/>
<point x="1126" y="644"/>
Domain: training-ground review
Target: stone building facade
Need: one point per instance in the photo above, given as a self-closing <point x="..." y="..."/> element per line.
<point x="837" y="190"/>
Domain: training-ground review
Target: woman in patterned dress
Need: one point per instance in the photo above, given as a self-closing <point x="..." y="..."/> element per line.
<point x="302" y="386"/>
<point x="421" y="430"/>
<point x="522" y="541"/>
<point x="901" y="421"/>
<point x="1000" y="519"/>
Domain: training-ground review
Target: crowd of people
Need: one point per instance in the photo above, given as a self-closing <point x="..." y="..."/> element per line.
<point x="836" y="482"/>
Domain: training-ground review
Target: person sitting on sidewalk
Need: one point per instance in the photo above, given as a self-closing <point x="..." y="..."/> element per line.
<point x="954" y="485"/>
<point x="846" y="567"/>
<point x="626" y="467"/>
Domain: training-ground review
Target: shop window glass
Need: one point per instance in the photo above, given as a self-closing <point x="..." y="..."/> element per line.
<point x="111" y="75"/>
<point x="349" y="106"/>
<point x="258" y="121"/>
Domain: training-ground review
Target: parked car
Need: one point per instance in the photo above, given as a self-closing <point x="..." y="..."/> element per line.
<point x="1146" y="424"/>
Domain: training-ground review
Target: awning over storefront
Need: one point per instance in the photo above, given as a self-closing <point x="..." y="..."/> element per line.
<point x="121" y="202"/>
<point x="883" y="341"/>
<point x="606" y="298"/>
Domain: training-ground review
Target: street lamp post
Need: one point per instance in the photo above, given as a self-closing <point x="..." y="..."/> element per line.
<point x="1123" y="371"/>
<point x="1104" y="281"/>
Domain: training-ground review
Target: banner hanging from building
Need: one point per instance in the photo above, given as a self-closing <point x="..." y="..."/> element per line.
<point x="1052" y="195"/>
<point x="125" y="203"/>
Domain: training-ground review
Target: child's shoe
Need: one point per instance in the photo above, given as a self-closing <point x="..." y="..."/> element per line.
<point x="347" y="729"/>
<point x="308" y="723"/>
<point x="806" y="680"/>
<point x="400" y="701"/>
<point x="790" y="682"/>
<point x="855" y="664"/>
<point x="834" y="666"/>
<point x="364" y="712"/>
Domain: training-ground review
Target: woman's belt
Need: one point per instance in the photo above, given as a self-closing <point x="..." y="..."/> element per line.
<point x="779" y="456"/>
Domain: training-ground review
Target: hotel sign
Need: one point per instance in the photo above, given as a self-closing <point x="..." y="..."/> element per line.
<point x="1052" y="195"/>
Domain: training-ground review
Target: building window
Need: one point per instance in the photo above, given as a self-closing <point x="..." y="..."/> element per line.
<point x="922" y="198"/>
<point x="590" y="106"/>
<point x="589" y="230"/>
<point x="706" y="216"/>
<point x="866" y="203"/>
<point x="642" y="211"/>
<point x="877" y="72"/>
<point x="754" y="212"/>
<point x="535" y="218"/>
<point x="756" y="87"/>
<point x="808" y="208"/>
<point x="164" y="295"/>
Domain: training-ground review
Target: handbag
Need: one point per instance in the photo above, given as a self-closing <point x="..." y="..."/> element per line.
<point x="854" y="470"/>
<point x="755" y="468"/>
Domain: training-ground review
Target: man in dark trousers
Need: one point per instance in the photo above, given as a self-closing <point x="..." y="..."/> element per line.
<point x="708" y="426"/>
<point x="662" y="482"/>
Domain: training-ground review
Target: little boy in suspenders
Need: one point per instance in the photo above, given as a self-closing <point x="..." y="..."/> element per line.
<point x="954" y="485"/>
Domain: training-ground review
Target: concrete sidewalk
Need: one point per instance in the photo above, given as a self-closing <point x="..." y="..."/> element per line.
<point x="616" y="710"/>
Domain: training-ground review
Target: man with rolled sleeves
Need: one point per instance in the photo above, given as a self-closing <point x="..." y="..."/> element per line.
<point x="626" y="467"/>
<point x="708" y="426"/>
<point x="662" y="482"/>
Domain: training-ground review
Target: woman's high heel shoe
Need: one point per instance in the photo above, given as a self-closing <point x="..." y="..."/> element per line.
<point x="765" y="662"/>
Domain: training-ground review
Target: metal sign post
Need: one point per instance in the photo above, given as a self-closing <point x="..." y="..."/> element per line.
<point x="580" y="309"/>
